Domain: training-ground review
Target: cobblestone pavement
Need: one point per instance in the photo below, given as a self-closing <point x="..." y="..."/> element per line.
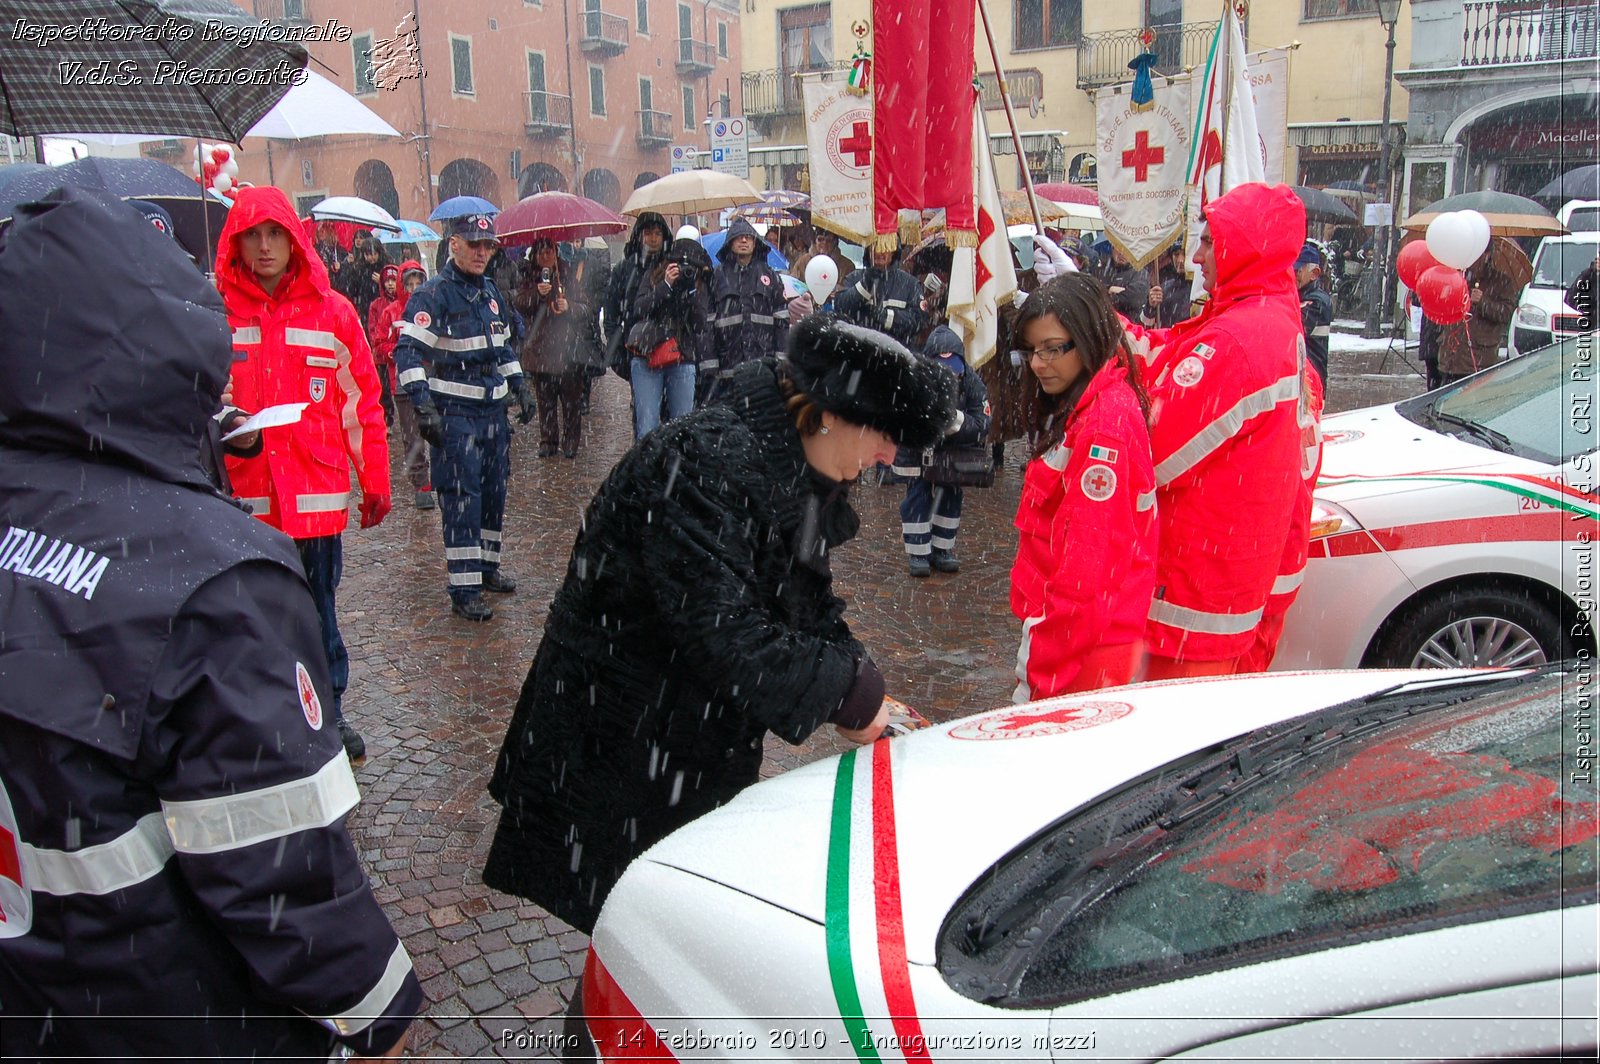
<point x="432" y="694"/>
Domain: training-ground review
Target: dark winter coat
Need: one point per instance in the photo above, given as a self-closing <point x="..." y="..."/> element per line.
<point x="750" y="317"/>
<point x="624" y="287"/>
<point x="680" y="311"/>
<point x="945" y="347"/>
<point x="172" y="785"/>
<point x="1468" y="346"/>
<point x="356" y="282"/>
<point x="889" y="301"/>
<point x="697" y="615"/>
<point x="1135" y="284"/>
<point x="555" y="343"/>
<point x="1316" y="318"/>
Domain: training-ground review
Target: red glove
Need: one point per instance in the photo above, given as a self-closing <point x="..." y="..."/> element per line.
<point x="374" y="508"/>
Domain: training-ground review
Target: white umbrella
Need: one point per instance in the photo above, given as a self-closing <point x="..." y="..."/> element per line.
<point x="354" y="209"/>
<point x="1078" y="216"/>
<point x="318" y="108"/>
<point x="690" y="192"/>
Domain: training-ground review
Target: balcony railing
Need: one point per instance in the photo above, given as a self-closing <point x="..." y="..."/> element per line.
<point x="774" y="93"/>
<point x="602" y="33"/>
<point x="1103" y="57"/>
<point x="1528" y="31"/>
<point x="655" y="129"/>
<point x="549" y="114"/>
<point x="695" y="57"/>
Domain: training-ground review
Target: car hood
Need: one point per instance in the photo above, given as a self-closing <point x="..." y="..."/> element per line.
<point x="1377" y="451"/>
<point x="941" y="806"/>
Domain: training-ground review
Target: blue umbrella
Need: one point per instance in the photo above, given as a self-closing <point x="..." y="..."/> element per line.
<point x="411" y="232"/>
<point x="713" y="242"/>
<point x="460" y="206"/>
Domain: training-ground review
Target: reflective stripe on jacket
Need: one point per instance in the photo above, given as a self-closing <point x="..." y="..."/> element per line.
<point x="301" y="344"/>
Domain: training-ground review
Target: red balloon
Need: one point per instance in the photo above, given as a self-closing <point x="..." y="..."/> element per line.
<point x="1413" y="261"/>
<point x="1443" y="292"/>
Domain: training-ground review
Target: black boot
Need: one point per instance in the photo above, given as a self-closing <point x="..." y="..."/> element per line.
<point x="944" y="561"/>
<point x="472" y="607"/>
<point x="495" y="580"/>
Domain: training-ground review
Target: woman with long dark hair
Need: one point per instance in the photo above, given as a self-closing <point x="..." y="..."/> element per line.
<point x="1085" y="568"/>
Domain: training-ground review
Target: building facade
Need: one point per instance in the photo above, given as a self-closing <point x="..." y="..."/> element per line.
<point x="511" y="97"/>
<point x="1502" y="95"/>
<point x="1056" y="53"/>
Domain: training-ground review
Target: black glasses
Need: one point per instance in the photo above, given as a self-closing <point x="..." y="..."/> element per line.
<point x="1047" y="353"/>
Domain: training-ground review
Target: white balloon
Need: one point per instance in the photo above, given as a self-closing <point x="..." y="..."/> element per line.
<point x="687" y="232"/>
<point x="1478" y="230"/>
<point x="231" y="168"/>
<point x="822" y="277"/>
<point x="222" y="182"/>
<point x="1452" y="239"/>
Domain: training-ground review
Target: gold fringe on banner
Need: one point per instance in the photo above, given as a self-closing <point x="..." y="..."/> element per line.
<point x="884" y="242"/>
<point x="960" y="238"/>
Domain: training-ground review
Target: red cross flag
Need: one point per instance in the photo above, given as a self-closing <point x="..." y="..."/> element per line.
<point x="1140" y="156"/>
<point x="839" y="139"/>
<point x="982" y="278"/>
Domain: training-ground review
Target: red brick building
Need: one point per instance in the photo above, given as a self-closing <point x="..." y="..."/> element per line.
<point x="517" y="95"/>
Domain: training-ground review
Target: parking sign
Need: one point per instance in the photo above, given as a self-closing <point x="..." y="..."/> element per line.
<point x="730" y="147"/>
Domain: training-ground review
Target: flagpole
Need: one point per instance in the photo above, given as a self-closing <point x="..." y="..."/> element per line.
<point x="1011" y="119"/>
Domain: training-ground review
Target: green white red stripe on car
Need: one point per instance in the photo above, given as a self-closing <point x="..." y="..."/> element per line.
<point x="864" y="923"/>
<point x="1546" y="490"/>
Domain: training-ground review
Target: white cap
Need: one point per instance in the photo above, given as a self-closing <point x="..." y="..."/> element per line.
<point x="687" y="232"/>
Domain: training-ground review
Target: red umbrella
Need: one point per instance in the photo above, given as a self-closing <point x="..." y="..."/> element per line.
<point x="556" y="216"/>
<point x="1065" y="192"/>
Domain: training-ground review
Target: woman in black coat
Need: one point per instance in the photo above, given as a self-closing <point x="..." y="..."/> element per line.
<point x="698" y="614"/>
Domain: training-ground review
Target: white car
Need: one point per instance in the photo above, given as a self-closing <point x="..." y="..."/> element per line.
<point x="1364" y="865"/>
<point x="1458" y="527"/>
<point x="1543" y="315"/>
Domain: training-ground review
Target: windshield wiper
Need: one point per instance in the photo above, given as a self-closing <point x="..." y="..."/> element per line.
<point x="1497" y="440"/>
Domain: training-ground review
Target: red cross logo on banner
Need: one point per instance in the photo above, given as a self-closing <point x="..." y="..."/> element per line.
<point x="1141" y="157"/>
<point x="983" y="275"/>
<point x="858" y="144"/>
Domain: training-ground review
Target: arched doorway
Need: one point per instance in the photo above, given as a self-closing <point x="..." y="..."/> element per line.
<point x="540" y="177"/>
<point x="469" y="177"/>
<point x="375" y="182"/>
<point x="645" y="177"/>
<point x="602" y="186"/>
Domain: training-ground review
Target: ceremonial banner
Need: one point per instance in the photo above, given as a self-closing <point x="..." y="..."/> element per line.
<point x="922" y="92"/>
<point x="1140" y="156"/>
<point x="1269" y="84"/>
<point x="1225" y="149"/>
<point x="839" y="143"/>
<point x="982" y="279"/>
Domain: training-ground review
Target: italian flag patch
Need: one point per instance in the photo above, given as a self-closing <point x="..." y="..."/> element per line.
<point x="1102" y="454"/>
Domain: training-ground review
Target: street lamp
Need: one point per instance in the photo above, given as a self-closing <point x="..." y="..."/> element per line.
<point x="1377" y="273"/>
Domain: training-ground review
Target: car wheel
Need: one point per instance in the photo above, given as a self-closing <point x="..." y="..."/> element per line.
<point x="1474" y="628"/>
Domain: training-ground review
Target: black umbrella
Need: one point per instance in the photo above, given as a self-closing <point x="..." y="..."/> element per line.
<point x="1582" y="183"/>
<point x="151" y="66"/>
<point x="195" y="221"/>
<point x="1321" y="207"/>
<point x="15" y="171"/>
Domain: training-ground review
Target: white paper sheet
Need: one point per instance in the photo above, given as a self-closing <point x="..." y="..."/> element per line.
<point x="271" y="417"/>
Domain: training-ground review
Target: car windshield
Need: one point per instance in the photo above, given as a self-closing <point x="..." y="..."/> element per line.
<point x="1539" y="406"/>
<point x="1584" y="220"/>
<point x="1557" y="265"/>
<point x="1432" y="804"/>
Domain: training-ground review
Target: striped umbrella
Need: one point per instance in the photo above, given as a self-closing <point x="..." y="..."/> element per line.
<point x="778" y="207"/>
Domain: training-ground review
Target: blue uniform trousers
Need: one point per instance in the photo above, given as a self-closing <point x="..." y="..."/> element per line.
<point x="323" y="560"/>
<point x="929" y="517"/>
<point x="469" y="480"/>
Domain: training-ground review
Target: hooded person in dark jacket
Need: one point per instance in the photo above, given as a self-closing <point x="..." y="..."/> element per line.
<point x="169" y="778"/>
<point x="882" y="296"/>
<point x="644" y="248"/>
<point x="557" y="346"/>
<point x="698" y="614"/>
<point x="749" y="316"/>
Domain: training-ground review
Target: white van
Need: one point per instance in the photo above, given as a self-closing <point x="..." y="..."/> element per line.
<point x="1543" y="315"/>
<point x="1580" y="216"/>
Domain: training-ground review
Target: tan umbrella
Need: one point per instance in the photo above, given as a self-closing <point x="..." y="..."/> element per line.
<point x="691" y="192"/>
<point x="1508" y="215"/>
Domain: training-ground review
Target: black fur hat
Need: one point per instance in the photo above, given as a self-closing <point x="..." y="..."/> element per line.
<point x="869" y="379"/>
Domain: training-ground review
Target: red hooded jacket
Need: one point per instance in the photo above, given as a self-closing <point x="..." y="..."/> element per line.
<point x="301" y="344"/>
<point x="1228" y="402"/>
<point x="1086" y="549"/>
